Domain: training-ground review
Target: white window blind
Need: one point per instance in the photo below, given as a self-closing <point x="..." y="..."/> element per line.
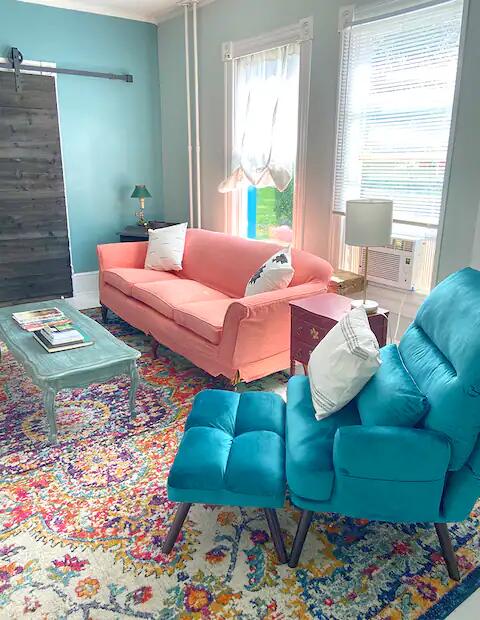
<point x="397" y="86"/>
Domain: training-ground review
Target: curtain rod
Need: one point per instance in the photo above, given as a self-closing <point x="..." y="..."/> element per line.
<point x="15" y="63"/>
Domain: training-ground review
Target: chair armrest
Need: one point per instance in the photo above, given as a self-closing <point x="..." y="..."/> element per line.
<point x="258" y="326"/>
<point x="390" y="453"/>
<point x="111" y="255"/>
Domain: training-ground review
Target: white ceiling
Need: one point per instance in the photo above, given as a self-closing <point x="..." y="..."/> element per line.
<point x="153" y="11"/>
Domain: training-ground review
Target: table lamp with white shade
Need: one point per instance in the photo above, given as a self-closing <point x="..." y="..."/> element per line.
<point x="368" y="223"/>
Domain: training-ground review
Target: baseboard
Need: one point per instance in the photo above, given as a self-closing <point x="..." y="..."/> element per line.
<point x="85" y="290"/>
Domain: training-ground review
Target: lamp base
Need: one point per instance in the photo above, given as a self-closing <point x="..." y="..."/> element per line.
<point x="370" y="307"/>
<point x="141" y="221"/>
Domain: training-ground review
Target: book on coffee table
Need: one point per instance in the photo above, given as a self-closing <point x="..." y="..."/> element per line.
<point x="33" y="320"/>
<point x="61" y="334"/>
<point x="54" y="348"/>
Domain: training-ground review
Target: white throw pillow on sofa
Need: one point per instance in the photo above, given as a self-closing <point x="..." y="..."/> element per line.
<point x="276" y="273"/>
<point x="165" y="248"/>
<point x="342" y="363"/>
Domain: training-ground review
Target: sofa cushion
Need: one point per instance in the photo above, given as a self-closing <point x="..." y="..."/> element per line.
<point x="226" y="262"/>
<point x="204" y="318"/>
<point x="125" y="278"/>
<point x="310" y="471"/>
<point x="166" y="296"/>
<point x="391" y="397"/>
<point x="233" y="451"/>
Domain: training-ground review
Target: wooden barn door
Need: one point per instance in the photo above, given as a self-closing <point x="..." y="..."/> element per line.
<point x="34" y="245"/>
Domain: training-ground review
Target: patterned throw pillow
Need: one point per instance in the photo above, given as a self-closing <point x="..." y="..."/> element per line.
<point x="276" y="273"/>
<point x="165" y="248"/>
<point x="342" y="363"/>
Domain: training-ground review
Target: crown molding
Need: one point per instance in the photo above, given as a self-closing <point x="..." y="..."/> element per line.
<point x="177" y="10"/>
<point x="100" y="9"/>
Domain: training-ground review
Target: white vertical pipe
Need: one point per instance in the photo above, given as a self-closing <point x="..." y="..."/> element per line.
<point x="197" y="115"/>
<point x="189" y="115"/>
<point x="226" y="227"/>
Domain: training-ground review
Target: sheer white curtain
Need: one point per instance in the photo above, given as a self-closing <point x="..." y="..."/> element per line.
<point x="266" y="89"/>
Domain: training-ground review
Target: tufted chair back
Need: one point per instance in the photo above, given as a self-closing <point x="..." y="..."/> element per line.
<point x="441" y="350"/>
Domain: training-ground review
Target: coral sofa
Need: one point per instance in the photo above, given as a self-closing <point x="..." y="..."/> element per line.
<point x="201" y="312"/>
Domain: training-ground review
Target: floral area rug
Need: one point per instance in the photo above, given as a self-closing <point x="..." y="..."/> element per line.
<point x="82" y="523"/>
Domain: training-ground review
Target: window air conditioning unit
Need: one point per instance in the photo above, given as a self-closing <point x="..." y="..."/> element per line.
<point x="399" y="264"/>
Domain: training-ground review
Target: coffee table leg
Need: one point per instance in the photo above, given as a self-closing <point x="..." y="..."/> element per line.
<point x="49" y="403"/>
<point x="133" y="388"/>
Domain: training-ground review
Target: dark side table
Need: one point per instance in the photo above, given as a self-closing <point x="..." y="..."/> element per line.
<point x="314" y="317"/>
<point x="140" y="233"/>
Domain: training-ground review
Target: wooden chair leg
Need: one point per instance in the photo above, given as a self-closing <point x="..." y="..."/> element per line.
<point x="104" y="314"/>
<point x="175" y="528"/>
<point x="302" y="531"/>
<point x="275" y="531"/>
<point x="447" y="551"/>
<point x="235" y="382"/>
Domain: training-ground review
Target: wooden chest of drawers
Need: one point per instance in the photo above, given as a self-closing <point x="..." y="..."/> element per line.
<point x="314" y="317"/>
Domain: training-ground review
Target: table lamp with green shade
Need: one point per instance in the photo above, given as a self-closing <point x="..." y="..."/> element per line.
<point x="141" y="192"/>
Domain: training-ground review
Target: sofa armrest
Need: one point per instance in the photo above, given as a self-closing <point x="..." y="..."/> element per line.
<point x="258" y="326"/>
<point x="253" y="303"/>
<point x="390" y="453"/>
<point x="111" y="255"/>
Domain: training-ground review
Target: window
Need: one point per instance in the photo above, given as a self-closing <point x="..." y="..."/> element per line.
<point x="266" y="117"/>
<point x="397" y="85"/>
<point x="265" y="93"/>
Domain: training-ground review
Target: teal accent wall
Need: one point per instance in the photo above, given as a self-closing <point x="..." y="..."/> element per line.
<point x="110" y="130"/>
<point x="227" y="20"/>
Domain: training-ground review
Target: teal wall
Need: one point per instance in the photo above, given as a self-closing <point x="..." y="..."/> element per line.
<point x="110" y="130"/>
<point x="226" y="20"/>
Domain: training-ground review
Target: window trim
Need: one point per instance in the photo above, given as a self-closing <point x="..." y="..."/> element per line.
<point x="301" y="32"/>
<point x="346" y="19"/>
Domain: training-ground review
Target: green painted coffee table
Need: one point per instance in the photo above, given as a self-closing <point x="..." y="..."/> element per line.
<point x="108" y="357"/>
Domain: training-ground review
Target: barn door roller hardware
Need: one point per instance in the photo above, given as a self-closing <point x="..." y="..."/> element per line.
<point x="15" y="61"/>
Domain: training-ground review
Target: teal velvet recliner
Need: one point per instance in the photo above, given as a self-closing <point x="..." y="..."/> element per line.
<point x="407" y="469"/>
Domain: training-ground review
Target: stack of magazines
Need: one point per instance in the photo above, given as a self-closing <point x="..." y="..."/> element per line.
<point x="61" y="338"/>
<point x="33" y="320"/>
<point x="52" y="329"/>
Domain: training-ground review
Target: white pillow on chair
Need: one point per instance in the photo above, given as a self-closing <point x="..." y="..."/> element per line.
<point x="165" y="248"/>
<point x="342" y="363"/>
